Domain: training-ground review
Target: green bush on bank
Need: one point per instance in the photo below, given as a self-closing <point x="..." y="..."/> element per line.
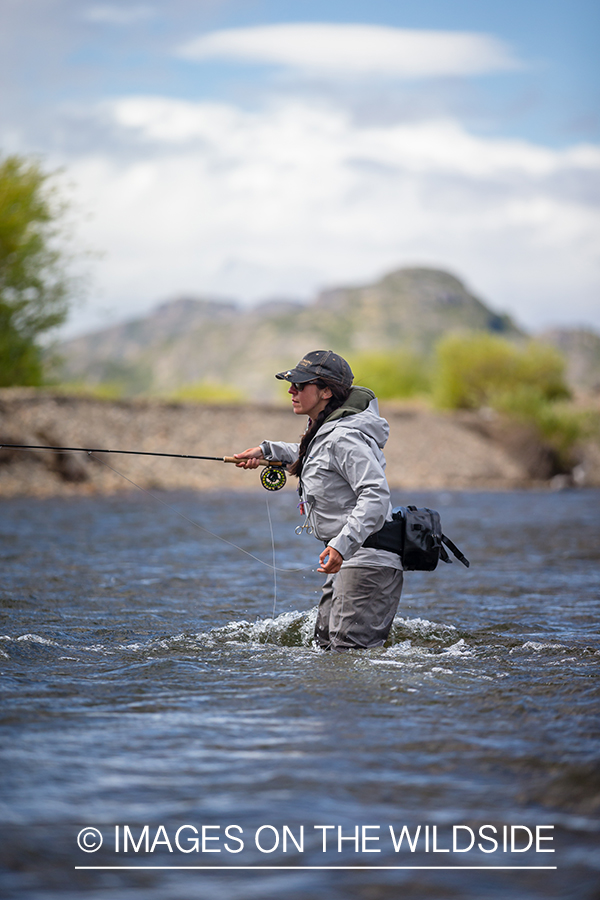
<point x="526" y="383"/>
<point x="558" y="424"/>
<point x="471" y="370"/>
<point x="206" y="392"/>
<point x="195" y="392"/>
<point x="475" y="370"/>
<point x="104" y="390"/>
<point x="392" y="375"/>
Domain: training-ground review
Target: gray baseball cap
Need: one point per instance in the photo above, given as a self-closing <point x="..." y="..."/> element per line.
<point x="320" y="364"/>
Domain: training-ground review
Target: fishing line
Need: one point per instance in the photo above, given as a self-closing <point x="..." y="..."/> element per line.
<point x="274" y="566"/>
<point x="198" y="525"/>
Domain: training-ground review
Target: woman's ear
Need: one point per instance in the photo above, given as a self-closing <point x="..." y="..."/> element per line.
<point x="326" y="394"/>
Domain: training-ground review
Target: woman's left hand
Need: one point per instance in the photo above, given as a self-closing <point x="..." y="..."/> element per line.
<point x="333" y="564"/>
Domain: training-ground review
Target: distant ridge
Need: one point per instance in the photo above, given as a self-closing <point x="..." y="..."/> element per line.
<point x="189" y="340"/>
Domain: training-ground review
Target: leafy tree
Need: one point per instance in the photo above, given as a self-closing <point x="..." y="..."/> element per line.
<point x="525" y="382"/>
<point x="479" y="369"/>
<point x="390" y="375"/>
<point x="34" y="287"/>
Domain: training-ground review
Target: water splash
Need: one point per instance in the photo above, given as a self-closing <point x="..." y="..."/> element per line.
<point x="422" y="630"/>
<point x="290" y="629"/>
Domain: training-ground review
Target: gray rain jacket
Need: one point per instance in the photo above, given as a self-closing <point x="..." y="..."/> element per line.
<point x="343" y="486"/>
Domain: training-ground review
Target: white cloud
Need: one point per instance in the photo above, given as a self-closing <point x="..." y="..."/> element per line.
<point x="356" y="49"/>
<point x="301" y="130"/>
<point x="293" y="197"/>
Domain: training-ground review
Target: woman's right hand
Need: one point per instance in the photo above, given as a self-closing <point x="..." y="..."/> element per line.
<point x="249" y="459"/>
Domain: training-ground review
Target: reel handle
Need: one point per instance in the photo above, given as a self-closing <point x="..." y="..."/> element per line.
<point x="272" y="478"/>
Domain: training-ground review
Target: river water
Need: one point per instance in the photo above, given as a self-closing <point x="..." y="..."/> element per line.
<point x="155" y="676"/>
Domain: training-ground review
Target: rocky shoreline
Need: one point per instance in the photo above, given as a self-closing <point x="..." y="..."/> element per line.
<point x="426" y="449"/>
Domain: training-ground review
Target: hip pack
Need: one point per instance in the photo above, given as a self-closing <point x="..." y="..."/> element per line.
<point x="416" y="535"/>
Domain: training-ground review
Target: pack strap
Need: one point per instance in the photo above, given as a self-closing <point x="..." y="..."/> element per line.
<point x="443" y="555"/>
<point x="458" y="554"/>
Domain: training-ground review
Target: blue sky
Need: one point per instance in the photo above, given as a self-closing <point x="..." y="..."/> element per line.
<point x="264" y="149"/>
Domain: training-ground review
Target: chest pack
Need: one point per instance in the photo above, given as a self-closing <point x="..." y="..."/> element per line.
<point x="416" y="535"/>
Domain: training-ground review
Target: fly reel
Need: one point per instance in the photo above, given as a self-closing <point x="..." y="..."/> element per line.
<point x="273" y="478"/>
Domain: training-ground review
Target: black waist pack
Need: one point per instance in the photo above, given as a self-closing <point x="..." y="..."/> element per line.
<point x="416" y="535"/>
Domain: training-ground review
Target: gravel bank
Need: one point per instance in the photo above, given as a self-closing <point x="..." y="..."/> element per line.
<point x="425" y="450"/>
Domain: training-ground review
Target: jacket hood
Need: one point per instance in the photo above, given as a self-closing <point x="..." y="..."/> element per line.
<point x="361" y="412"/>
<point x="358" y="400"/>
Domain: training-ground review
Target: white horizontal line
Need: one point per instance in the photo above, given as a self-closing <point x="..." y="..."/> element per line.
<point x="325" y="868"/>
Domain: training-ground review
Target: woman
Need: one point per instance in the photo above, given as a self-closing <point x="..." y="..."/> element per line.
<point x="344" y="496"/>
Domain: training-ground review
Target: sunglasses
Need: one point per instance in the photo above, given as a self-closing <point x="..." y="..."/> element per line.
<point x="300" y="387"/>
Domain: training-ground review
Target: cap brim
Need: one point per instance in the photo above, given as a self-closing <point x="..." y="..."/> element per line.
<point x="295" y="375"/>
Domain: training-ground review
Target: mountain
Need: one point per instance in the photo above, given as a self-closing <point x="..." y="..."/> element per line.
<point x="191" y="340"/>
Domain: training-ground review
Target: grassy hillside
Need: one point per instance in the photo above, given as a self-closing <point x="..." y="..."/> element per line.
<point x="189" y="343"/>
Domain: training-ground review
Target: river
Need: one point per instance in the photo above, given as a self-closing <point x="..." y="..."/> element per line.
<point x="161" y="696"/>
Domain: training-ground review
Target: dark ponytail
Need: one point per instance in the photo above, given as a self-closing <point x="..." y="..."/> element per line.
<point x="339" y="395"/>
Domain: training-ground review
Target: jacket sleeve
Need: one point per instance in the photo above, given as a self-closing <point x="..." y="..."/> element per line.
<point x="281" y="451"/>
<point x="357" y="462"/>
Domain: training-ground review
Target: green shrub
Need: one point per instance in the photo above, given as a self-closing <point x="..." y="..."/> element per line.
<point x="207" y="392"/>
<point x="390" y="375"/>
<point x="105" y="390"/>
<point x="474" y="370"/>
<point x="558" y="424"/>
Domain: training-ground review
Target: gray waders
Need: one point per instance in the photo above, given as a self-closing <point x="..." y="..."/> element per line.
<point x="357" y="607"/>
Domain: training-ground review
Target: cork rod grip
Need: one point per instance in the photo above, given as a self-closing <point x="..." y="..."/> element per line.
<point x="261" y="462"/>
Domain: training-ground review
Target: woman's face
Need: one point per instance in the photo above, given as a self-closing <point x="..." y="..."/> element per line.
<point x="310" y="400"/>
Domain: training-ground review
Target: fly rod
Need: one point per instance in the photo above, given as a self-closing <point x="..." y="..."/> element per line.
<point x="273" y="478"/>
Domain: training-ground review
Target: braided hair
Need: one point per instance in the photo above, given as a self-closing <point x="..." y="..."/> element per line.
<point x="339" y="395"/>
